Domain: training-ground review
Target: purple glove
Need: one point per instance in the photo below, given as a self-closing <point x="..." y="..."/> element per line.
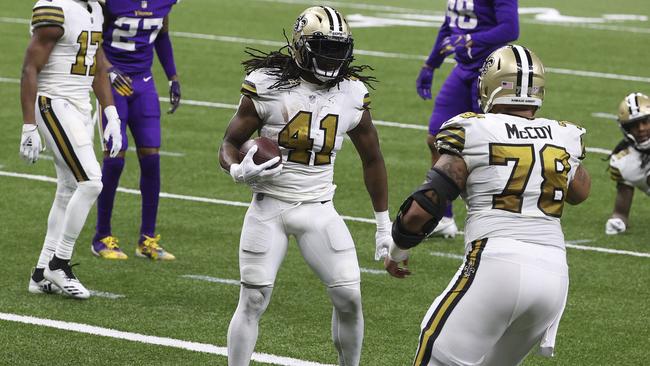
<point x="174" y="95"/>
<point x="120" y="82"/>
<point x="423" y="82"/>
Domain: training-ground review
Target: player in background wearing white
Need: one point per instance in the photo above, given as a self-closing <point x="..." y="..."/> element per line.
<point x="515" y="172"/>
<point x="62" y="62"/>
<point x="306" y="101"/>
<point x="629" y="163"/>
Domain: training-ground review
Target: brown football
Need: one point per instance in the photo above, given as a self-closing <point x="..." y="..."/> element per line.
<point x="267" y="149"/>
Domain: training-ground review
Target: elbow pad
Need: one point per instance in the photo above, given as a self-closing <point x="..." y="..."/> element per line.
<point x="445" y="189"/>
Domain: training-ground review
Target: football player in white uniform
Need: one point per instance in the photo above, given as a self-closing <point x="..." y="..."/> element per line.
<point x="628" y="164"/>
<point x="515" y="172"/>
<point x="62" y="62"/>
<point x="306" y="101"/>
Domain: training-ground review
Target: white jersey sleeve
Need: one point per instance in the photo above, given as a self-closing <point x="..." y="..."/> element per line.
<point x="309" y="122"/>
<point x="70" y="68"/>
<point x="628" y="167"/>
<point x="519" y="172"/>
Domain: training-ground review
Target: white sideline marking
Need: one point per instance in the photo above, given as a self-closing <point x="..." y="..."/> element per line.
<point x="108" y="295"/>
<point x="605" y="115"/>
<point x="373" y="271"/>
<point x="213" y="279"/>
<point x="231" y="39"/>
<point x="147" y="339"/>
<point x="44" y="178"/>
<point x="447" y="255"/>
<point x="45" y="157"/>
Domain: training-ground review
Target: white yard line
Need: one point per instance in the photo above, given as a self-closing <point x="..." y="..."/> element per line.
<point x="161" y="152"/>
<point x="225" y="281"/>
<point x="148" y="339"/>
<point x="108" y="295"/>
<point x="43" y="178"/>
<point x="373" y="271"/>
<point x="608" y="250"/>
<point x="605" y="115"/>
<point x="252" y="41"/>
<point x="447" y="255"/>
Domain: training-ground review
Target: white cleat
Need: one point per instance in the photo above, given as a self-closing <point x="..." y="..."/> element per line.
<point x="446" y="228"/>
<point x="66" y="281"/>
<point x="42" y="287"/>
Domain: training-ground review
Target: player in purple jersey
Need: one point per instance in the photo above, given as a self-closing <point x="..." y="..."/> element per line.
<point x="132" y="30"/>
<point x="471" y="31"/>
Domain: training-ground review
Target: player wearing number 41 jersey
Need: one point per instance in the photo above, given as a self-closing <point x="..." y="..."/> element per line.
<point x="515" y="172"/>
<point x="63" y="61"/>
<point x="308" y="102"/>
<point x="133" y="29"/>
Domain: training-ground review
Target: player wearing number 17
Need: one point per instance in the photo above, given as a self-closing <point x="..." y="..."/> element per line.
<point x="514" y="172"/>
<point x="133" y="29"/>
<point x="307" y="101"/>
<point x="63" y="61"/>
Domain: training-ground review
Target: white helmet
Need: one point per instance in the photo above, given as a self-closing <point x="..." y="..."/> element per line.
<point x="511" y="75"/>
<point x="322" y="43"/>
<point x="632" y="110"/>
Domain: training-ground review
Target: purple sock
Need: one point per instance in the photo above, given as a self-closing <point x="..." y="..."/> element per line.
<point x="150" y="190"/>
<point x="111" y="171"/>
<point x="448" y="211"/>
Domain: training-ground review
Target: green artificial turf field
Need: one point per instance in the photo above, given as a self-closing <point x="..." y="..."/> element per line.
<point x="591" y="67"/>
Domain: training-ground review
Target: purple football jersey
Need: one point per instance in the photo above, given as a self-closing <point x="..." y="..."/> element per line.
<point x="130" y="29"/>
<point x="491" y="23"/>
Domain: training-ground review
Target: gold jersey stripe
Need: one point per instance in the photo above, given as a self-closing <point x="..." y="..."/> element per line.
<point x="47" y="19"/>
<point x="61" y="139"/>
<point x="615" y="174"/>
<point x="48" y="11"/>
<point x="248" y="90"/>
<point x="448" y="303"/>
<point x="458" y="131"/>
<point x="451" y="141"/>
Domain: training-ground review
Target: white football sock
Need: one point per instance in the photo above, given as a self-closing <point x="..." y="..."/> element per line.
<point x="75" y="215"/>
<point x="55" y="222"/>
<point x="243" y="328"/>
<point x="347" y="323"/>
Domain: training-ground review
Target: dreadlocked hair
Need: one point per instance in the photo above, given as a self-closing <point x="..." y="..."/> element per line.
<point x="282" y="65"/>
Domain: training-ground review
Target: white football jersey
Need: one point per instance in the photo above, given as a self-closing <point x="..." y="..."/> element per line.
<point x="309" y="123"/>
<point x="519" y="173"/>
<point x="627" y="167"/>
<point x="70" y="69"/>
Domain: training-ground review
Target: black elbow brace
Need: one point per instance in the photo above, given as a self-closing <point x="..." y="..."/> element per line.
<point x="446" y="190"/>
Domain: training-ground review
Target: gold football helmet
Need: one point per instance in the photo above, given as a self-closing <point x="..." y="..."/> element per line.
<point x="511" y="75"/>
<point x="632" y="110"/>
<point x="322" y="43"/>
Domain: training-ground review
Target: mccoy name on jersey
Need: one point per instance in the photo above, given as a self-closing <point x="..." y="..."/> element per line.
<point x="629" y="167"/>
<point x="70" y="69"/>
<point x="309" y="122"/>
<point x="519" y="173"/>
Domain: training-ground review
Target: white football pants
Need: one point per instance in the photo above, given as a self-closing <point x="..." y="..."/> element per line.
<point x="498" y="306"/>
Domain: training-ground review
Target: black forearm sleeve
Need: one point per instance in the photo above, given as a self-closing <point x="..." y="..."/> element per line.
<point x="445" y="191"/>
